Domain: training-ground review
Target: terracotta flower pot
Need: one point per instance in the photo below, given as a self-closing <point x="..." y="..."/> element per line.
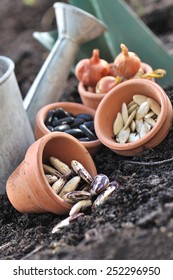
<point x="111" y="105"/>
<point x="72" y="107"/>
<point x="27" y="188"/>
<point x="92" y="100"/>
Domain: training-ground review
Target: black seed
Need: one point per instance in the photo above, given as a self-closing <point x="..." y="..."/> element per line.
<point x="61" y="127"/>
<point x="61" y="113"/>
<point x="90" y="125"/>
<point x="86" y="117"/>
<point x="67" y="120"/>
<point x="84" y="139"/>
<point x="49" y="117"/>
<point x="55" y="121"/>
<point x="76" y="132"/>
<point x="87" y="132"/>
<point x="50" y="128"/>
<point x="77" y="122"/>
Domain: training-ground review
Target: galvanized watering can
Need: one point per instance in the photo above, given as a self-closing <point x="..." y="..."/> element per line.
<point x="75" y="27"/>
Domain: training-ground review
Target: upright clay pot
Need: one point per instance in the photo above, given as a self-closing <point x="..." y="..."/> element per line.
<point x="111" y="105"/>
<point x="92" y="99"/>
<point x="72" y="107"/>
<point x="27" y="187"/>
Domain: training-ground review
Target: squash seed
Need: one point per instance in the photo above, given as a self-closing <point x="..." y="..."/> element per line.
<point x="132" y="108"/>
<point x="123" y="135"/>
<point x="139" y="98"/>
<point x="130" y="119"/>
<point x="150" y="121"/>
<point x="149" y="115"/>
<point x="133" y="126"/>
<point x="124" y="113"/>
<point x="143" y="110"/>
<point x="144" y="130"/>
<point x="139" y="124"/>
<point x="118" y="124"/>
<point x="133" y="137"/>
<point x="155" y="107"/>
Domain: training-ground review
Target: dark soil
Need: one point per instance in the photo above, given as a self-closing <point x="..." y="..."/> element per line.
<point x="137" y="221"/>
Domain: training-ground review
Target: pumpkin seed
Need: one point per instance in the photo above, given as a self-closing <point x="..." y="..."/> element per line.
<point x="124" y="113"/>
<point x="133" y="126"/>
<point x="155" y="107"/>
<point x="139" y="124"/>
<point x="133" y="137"/>
<point x="130" y="119"/>
<point x="142" y="110"/>
<point x="123" y="135"/>
<point x="118" y="124"/>
<point x="139" y="98"/>
<point x="149" y="115"/>
<point x="144" y="130"/>
<point x="150" y="121"/>
<point x="131" y="104"/>
<point x="132" y="108"/>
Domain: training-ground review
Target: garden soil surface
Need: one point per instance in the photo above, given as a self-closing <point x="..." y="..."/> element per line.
<point x="136" y="222"/>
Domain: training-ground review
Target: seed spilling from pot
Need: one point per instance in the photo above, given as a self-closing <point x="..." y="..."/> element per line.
<point x="136" y="119"/>
<point x="81" y="126"/>
<point x="75" y="185"/>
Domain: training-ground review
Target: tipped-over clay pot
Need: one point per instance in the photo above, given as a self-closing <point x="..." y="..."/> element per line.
<point x="27" y="187"/>
<point x="92" y="99"/>
<point x="111" y="105"/>
<point x="72" y="107"/>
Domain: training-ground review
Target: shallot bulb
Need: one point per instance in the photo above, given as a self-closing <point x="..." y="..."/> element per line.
<point x="127" y="63"/>
<point x="107" y="83"/>
<point x="112" y="70"/>
<point x="90" y="71"/>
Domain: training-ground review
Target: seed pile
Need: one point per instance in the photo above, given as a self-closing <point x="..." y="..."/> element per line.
<point x="136" y="119"/>
<point x="80" y="126"/>
<point x="75" y="185"/>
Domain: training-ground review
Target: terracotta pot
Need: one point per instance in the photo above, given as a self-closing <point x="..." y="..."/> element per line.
<point x="111" y="105"/>
<point x="27" y="188"/>
<point x="72" y="107"/>
<point x="92" y="100"/>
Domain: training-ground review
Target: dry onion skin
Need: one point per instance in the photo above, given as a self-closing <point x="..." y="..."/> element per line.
<point x="127" y="63"/>
<point x="107" y="83"/>
<point x="90" y="71"/>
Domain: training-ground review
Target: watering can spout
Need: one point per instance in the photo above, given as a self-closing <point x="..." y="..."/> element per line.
<point x="75" y="27"/>
<point x="77" y="24"/>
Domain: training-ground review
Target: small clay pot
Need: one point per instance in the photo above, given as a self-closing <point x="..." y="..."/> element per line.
<point x="72" y="107"/>
<point x="111" y="105"/>
<point x="27" y="187"/>
<point x="92" y="99"/>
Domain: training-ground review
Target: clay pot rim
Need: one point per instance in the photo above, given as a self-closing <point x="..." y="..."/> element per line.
<point x="161" y="118"/>
<point x="88" y="94"/>
<point x="51" y="106"/>
<point x="93" y="95"/>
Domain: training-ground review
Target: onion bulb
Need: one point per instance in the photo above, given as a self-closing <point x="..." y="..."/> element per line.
<point x="127" y="63"/>
<point x="107" y="83"/>
<point x="90" y="71"/>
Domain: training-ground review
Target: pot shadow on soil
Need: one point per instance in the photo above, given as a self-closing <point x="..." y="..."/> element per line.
<point x="136" y="222"/>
